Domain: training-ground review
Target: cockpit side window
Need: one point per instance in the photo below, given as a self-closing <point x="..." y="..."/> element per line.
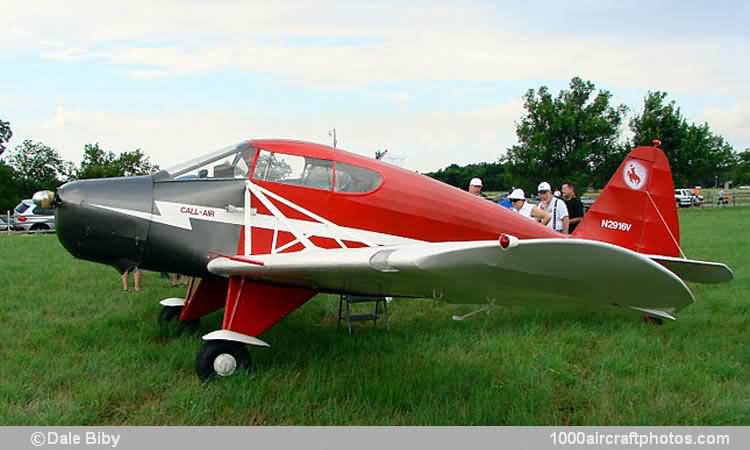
<point x="356" y="179"/>
<point x="293" y="169"/>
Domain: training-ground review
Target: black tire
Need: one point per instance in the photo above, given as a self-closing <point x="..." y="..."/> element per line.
<point x="169" y="314"/>
<point x="38" y="227"/>
<point x="211" y="350"/>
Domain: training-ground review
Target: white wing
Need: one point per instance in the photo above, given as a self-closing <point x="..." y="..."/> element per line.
<point x="536" y="271"/>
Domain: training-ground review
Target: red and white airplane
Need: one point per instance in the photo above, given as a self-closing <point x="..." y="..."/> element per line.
<point x="268" y="224"/>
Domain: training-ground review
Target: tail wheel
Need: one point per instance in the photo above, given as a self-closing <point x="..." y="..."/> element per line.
<point x="219" y="359"/>
<point x="170" y="314"/>
<point x="653" y="320"/>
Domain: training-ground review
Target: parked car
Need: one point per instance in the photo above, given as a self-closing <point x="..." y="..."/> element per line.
<point x="4" y="225"/>
<point x="685" y="198"/>
<point x="29" y="217"/>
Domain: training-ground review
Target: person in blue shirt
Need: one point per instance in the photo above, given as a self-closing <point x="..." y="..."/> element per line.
<point x="505" y="201"/>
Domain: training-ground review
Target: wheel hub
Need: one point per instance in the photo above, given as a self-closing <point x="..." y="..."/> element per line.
<point x="225" y="365"/>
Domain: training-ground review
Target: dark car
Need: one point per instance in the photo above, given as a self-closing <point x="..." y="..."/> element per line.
<point x="4" y="225"/>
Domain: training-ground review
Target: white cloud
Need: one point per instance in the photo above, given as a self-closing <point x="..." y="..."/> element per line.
<point x="334" y="45"/>
<point x="352" y="45"/>
<point x="399" y="97"/>
<point x="732" y="121"/>
<point x="428" y="141"/>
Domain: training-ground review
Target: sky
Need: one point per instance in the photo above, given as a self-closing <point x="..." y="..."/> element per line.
<point x="434" y="82"/>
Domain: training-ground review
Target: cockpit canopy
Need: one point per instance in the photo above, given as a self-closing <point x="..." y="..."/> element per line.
<point x="278" y="167"/>
<point x="228" y="162"/>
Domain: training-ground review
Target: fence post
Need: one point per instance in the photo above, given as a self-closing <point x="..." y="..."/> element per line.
<point x="7" y="216"/>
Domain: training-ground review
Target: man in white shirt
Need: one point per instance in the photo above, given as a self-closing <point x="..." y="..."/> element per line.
<point x="555" y="207"/>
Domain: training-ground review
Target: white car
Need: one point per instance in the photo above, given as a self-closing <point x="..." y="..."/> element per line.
<point x="686" y="199"/>
<point x="29" y="217"/>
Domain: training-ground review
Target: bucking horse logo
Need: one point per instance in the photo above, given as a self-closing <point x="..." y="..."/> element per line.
<point x="634" y="174"/>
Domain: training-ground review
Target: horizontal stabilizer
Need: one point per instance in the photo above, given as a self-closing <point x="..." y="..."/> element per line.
<point x="696" y="271"/>
<point x="655" y="313"/>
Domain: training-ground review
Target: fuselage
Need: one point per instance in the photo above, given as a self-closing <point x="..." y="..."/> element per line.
<point x="175" y="224"/>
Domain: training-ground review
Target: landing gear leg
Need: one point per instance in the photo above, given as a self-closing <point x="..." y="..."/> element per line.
<point x="250" y="309"/>
<point x="219" y="358"/>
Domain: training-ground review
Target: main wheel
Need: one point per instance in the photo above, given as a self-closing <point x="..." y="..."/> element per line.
<point x="221" y="359"/>
<point x="169" y="314"/>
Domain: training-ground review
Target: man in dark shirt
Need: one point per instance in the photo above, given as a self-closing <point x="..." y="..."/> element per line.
<point x="575" y="207"/>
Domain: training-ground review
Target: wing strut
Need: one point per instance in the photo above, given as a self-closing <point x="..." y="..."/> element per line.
<point x="265" y="197"/>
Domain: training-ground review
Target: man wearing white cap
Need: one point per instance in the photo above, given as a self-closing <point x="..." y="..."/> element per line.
<point x="475" y="187"/>
<point x="555" y="207"/>
<point x="519" y="204"/>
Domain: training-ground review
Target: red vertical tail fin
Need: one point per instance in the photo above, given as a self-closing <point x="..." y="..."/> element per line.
<point x="637" y="208"/>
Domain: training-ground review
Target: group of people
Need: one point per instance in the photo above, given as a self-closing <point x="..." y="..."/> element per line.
<point x="561" y="211"/>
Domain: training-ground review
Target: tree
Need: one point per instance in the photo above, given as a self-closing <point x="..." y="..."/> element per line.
<point x="741" y="171"/>
<point x="705" y="156"/>
<point x="696" y="155"/>
<point x="272" y="167"/>
<point x="495" y="176"/>
<point x="98" y="163"/>
<point x="573" y="136"/>
<point x="658" y="120"/>
<point x="37" y="167"/>
<point x="5" y="134"/>
<point x="11" y="191"/>
<point x="134" y="163"/>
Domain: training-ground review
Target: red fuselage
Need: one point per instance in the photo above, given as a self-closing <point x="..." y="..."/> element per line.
<point x="405" y="204"/>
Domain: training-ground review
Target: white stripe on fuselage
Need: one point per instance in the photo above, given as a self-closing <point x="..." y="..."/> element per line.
<point x="178" y="215"/>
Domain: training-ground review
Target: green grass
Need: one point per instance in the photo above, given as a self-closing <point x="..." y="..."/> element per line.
<point x="77" y="351"/>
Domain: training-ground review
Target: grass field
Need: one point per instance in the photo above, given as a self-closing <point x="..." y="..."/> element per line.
<point x="77" y="351"/>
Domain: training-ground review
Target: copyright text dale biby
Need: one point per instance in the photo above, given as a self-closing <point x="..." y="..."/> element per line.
<point x="72" y="438"/>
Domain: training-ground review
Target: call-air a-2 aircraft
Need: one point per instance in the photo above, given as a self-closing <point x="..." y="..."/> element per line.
<point x="265" y="225"/>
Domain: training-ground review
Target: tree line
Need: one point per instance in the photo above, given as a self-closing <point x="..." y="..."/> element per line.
<point x="576" y="136"/>
<point x="33" y="166"/>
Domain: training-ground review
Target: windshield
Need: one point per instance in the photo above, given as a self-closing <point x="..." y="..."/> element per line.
<point x="228" y="162"/>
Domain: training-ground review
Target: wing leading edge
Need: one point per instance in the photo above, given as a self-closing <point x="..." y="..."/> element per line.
<point x="536" y="271"/>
